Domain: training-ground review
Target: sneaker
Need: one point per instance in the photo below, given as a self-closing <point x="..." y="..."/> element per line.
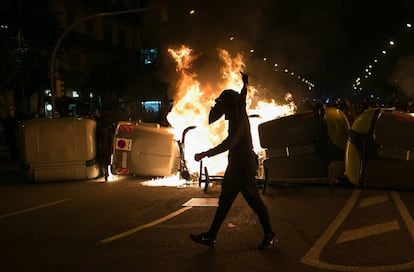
<point x="269" y="241"/>
<point x="204" y="239"/>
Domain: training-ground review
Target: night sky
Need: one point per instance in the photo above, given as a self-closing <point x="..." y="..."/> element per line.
<point x="327" y="41"/>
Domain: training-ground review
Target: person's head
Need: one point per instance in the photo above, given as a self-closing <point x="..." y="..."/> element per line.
<point x="226" y="104"/>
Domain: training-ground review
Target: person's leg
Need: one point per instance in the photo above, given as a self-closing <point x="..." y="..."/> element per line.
<point x="229" y="192"/>
<point x="250" y="192"/>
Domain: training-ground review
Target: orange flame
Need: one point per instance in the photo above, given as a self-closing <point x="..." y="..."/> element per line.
<point x="192" y="104"/>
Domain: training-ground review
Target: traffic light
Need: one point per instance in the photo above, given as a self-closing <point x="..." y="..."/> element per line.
<point x="60" y="87"/>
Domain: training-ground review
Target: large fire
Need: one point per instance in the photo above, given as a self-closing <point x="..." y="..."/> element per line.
<point x="192" y="103"/>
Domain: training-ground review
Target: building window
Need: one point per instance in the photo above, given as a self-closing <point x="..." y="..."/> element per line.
<point x="148" y="55"/>
<point x="151" y="106"/>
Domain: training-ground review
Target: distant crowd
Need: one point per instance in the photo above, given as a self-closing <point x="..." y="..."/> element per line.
<point x="352" y="108"/>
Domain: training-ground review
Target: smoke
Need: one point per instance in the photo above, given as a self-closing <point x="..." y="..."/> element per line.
<point x="297" y="35"/>
<point x="403" y="76"/>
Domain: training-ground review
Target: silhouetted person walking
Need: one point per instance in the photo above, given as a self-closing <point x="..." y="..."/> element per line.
<point x="241" y="169"/>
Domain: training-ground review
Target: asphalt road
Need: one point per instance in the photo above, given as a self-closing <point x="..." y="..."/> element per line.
<point x="126" y="226"/>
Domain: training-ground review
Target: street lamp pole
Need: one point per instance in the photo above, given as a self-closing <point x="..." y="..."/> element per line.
<point x="62" y="36"/>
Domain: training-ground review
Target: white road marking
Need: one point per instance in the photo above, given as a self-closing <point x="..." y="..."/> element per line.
<point x="312" y="256"/>
<point x="408" y="220"/>
<point x="34" y="208"/>
<point x="367" y="231"/>
<point x="373" y="201"/>
<point x="202" y="202"/>
<point x="153" y="223"/>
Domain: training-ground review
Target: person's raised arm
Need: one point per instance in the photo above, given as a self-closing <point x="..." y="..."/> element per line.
<point x="243" y="92"/>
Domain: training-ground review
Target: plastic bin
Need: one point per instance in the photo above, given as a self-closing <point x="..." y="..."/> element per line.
<point x="144" y="149"/>
<point x="308" y="145"/>
<point x="380" y="150"/>
<point x="58" y="149"/>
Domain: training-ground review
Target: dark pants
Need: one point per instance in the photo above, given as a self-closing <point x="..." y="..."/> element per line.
<point x="240" y="179"/>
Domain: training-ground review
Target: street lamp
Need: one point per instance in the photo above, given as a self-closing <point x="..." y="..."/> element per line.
<point x="59" y="41"/>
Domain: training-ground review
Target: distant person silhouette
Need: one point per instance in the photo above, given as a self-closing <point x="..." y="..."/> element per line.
<point x="241" y="169"/>
<point x="104" y="134"/>
<point x="11" y="125"/>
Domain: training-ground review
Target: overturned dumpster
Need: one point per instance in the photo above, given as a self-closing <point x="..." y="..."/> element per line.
<point x="305" y="147"/>
<point x="58" y="149"/>
<point x="144" y="149"/>
<point x="380" y="150"/>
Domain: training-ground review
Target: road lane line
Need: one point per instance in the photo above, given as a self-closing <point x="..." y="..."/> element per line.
<point x="370" y="201"/>
<point x="34" y="208"/>
<point x="312" y="256"/>
<point x="405" y="214"/>
<point x="359" y="233"/>
<point x="134" y="230"/>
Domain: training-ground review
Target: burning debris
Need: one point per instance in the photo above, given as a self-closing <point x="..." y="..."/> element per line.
<point x="192" y="103"/>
